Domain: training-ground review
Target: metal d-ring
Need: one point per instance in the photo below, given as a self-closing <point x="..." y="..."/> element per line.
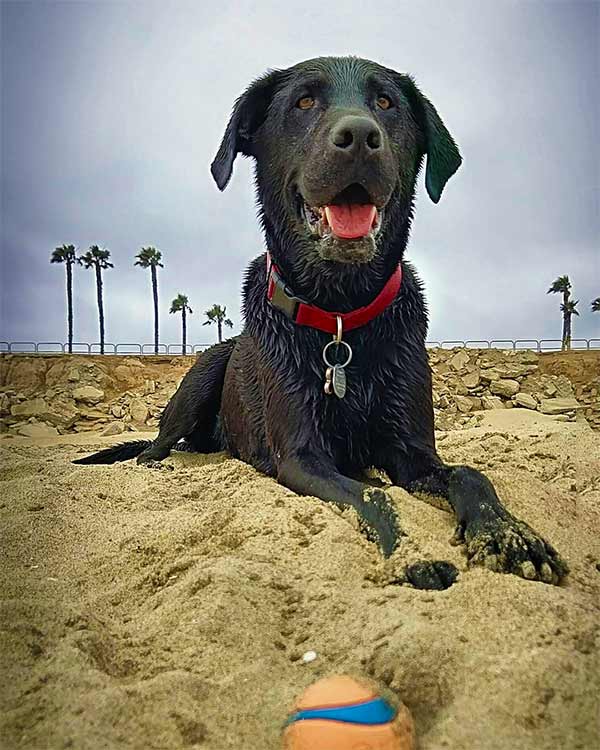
<point x="337" y="343"/>
<point x="338" y="336"/>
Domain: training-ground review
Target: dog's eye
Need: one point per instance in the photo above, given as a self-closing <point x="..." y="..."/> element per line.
<point x="307" y="102"/>
<point x="384" y="102"/>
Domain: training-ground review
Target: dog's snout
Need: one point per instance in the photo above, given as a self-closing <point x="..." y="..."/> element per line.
<point x="354" y="133"/>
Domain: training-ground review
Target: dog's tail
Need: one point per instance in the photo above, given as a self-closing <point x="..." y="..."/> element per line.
<point x="121" y="452"/>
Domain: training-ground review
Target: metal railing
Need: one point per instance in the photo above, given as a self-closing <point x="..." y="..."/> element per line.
<point x="537" y="345"/>
<point x="83" y="347"/>
<point x="134" y="349"/>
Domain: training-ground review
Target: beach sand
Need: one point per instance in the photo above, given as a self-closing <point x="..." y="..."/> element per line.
<point x="146" y="608"/>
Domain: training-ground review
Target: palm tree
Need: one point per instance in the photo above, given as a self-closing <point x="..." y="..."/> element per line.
<point x="595" y="304"/>
<point x="217" y="314"/>
<point x="562" y="285"/>
<point x="180" y="304"/>
<point x="150" y="257"/>
<point x="66" y="255"/>
<point x="98" y="259"/>
<point x="568" y="310"/>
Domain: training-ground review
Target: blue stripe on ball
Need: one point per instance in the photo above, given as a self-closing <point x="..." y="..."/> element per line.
<point x="376" y="711"/>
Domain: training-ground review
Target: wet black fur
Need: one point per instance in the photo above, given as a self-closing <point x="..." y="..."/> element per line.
<point x="260" y="395"/>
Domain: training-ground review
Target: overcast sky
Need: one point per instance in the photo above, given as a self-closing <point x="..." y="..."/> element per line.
<point x="113" y="111"/>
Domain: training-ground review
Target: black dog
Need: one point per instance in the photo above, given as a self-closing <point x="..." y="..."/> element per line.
<point x="330" y="375"/>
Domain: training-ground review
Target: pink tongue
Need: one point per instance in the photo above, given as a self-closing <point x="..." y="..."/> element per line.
<point x="351" y="221"/>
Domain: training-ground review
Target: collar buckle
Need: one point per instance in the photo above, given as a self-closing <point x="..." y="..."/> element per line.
<point x="281" y="297"/>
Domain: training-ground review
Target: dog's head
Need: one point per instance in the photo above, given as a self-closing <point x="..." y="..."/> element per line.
<point x="338" y="144"/>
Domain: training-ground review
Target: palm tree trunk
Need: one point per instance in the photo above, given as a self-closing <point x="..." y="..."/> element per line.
<point x="70" y="305"/>
<point x="155" y="296"/>
<point x="184" y="332"/>
<point x="220" y="330"/>
<point x="566" y="295"/>
<point x="568" y="330"/>
<point x="100" y="305"/>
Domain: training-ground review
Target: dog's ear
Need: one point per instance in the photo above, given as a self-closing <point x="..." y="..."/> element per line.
<point x="249" y="112"/>
<point x="443" y="156"/>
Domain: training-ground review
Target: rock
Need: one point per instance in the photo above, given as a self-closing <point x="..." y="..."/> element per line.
<point x="459" y="360"/>
<point x="491" y="374"/>
<point x="455" y="385"/>
<point x="558" y="405"/>
<point x="116" y="410"/>
<point x="475" y="403"/>
<point x="88" y="394"/>
<point x="149" y="387"/>
<point x="114" y="428"/>
<point x="123" y="373"/>
<point x="73" y="375"/>
<point x="505" y="388"/>
<point x="93" y="414"/>
<point x="528" y="357"/>
<point x="35" y="407"/>
<point x="138" y="410"/>
<point x="526" y="400"/>
<point x="36" y="430"/>
<point x="4" y="405"/>
<point x="464" y="404"/>
<point x="492" y="402"/>
<point x="64" y="414"/>
<point x="471" y="379"/>
<point x="515" y="370"/>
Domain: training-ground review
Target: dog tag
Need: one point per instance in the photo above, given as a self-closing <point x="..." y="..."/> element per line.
<point x="339" y="381"/>
<point x="335" y="376"/>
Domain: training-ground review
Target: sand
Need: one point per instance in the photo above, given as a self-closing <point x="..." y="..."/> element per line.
<point x="146" y="608"/>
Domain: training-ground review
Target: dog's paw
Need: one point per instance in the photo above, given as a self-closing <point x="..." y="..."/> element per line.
<point x="151" y="463"/>
<point x="379" y="521"/>
<point x="502" y="543"/>
<point x="434" y="575"/>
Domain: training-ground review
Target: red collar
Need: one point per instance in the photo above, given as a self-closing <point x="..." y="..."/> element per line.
<point x="280" y="296"/>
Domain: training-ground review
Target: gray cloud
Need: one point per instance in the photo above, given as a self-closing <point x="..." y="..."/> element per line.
<point x="112" y="112"/>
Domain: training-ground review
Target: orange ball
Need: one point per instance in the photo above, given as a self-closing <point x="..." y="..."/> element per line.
<point x="342" y="713"/>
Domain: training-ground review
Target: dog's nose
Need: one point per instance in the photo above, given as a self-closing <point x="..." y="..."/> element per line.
<point x="353" y="133"/>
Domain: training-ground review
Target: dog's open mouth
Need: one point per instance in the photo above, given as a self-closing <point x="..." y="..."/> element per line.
<point x="351" y="215"/>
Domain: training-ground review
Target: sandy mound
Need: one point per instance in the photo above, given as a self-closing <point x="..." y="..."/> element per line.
<point x="170" y="609"/>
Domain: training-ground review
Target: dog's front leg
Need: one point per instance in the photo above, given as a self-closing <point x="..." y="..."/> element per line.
<point x="493" y="536"/>
<point x="311" y="474"/>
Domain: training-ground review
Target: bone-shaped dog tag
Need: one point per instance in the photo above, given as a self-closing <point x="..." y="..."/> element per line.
<point x="339" y="381"/>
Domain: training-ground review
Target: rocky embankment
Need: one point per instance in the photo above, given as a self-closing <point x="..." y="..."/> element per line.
<point x="46" y="395"/>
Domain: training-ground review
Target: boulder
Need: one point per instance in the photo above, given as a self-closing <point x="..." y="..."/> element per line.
<point x="138" y="410"/>
<point x="114" y="428"/>
<point x="558" y="405"/>
<point x="464" y="404"/>
<point x="88" y="394"/>
<point x="491" y="374"/>
<point x="492" y="402"/>
<point x="35" y="407"/>
<point x="506" y="388"/>
<point x="471" y="379"/>
<point x="528" y="357"/>
<point x="459" y="360"/>
<point x="36" y="430"/>
<point x="526" y="400"/>
<point x="515" y="370"/>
